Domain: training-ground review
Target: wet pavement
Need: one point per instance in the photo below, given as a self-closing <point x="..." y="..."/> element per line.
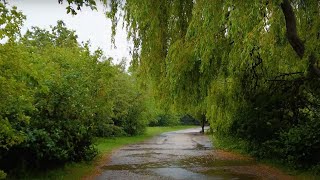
<point x="180" y="154"/>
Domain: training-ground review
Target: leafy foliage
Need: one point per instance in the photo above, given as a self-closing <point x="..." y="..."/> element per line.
<point x="165" y="120"/>
<point x="250" y="67"/>
<point x="56" y="96"/>
<point x="3" y="175"/>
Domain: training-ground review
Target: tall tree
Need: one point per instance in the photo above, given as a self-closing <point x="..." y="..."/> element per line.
<point x="251" y="67"/>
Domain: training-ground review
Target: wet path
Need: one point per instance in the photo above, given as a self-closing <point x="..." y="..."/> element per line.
<point x="181" y="154"/>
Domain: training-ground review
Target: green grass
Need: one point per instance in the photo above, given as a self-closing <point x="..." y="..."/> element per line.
<point x="229" y="144"/>
<point x="105" y="146"/>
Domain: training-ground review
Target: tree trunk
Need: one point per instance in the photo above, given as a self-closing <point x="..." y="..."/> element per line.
<point x="291" y="27"/>
<point x="203" y="121"/>
<point x="293" y="37"/>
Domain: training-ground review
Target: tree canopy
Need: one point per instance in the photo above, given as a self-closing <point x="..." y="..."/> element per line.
<point x="251" y="67"/>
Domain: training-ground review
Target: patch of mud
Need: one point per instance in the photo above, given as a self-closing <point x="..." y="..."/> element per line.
<point x="139" y="166"/>
<point x="233" y="164"/>
<point x="202" y="147"/>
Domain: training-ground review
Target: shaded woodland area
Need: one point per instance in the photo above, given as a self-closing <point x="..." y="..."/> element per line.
<point x="249" y="68"/>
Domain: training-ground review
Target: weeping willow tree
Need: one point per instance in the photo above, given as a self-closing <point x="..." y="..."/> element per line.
<point x="250" y="67"/>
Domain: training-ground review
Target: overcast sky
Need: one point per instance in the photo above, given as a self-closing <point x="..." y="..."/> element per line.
<point x="88" y="24"/>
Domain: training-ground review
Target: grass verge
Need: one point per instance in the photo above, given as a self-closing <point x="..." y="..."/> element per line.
<point x="105" y="146"/>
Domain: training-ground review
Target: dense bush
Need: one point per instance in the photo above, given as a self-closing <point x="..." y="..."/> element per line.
<point x="50" y="144"/>
<point x="129" y="110"/>
<point x="3" y="175"/>
<point x="103" y="129"/>
<point x="282" y="123"/>
<point x="165" y="120"/>
<point x="188" y="120"/>
<point x="56" y="95"/>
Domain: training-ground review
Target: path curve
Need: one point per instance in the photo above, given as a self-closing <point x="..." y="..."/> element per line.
<point x="184" y="154"/>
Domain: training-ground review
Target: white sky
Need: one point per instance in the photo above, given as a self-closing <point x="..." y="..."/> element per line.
<point x="88" y="24"/>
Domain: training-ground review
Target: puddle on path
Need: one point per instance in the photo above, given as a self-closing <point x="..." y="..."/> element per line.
<point x="202" y="147"/>
<point x="137" y="166"/>
<point x="207" y="162"/>
<point x="190" y="168"/>
<point x="179" y="155"/>
<point x="177" y="173"/>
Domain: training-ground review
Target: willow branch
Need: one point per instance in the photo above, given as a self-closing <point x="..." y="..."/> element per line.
<point x="292" y="35"/>
<point x="312" y="65"/>
<point x="291" y="27"/>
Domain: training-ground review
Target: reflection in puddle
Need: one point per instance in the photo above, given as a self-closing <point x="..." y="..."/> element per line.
<point x="205" y="162"/>
<point x="189" y="168"/>
<point x="225" y="174"/>
<point x="175" y="155"/>
<point x="180" y="173"/>
<point x="202" y="147"/>
<point x="177" y="173"/>
<point x="138" y="166"/>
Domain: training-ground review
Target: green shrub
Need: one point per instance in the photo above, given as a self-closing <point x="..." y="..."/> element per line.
<point x="3" y="175"/>
<point x="283" y="125"/>
<point x="301" y="143"/>
<point x="165" y="120"/>
<point x="105" y="129"/>
<point x="56" y="95"/>
<point x="188" y="120"/>
<point x="48" y="144"/>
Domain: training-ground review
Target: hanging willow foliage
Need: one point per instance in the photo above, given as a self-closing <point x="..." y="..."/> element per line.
<point x="252" y="67"/>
